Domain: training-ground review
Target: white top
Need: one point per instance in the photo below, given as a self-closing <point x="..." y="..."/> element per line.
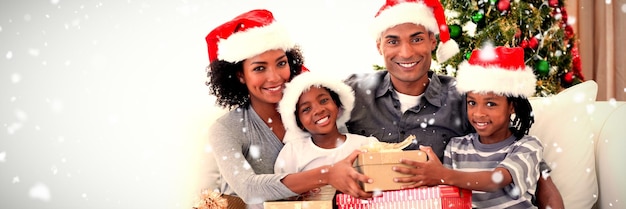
<point x="301" y="155"/>
<point x="408" y="101"/>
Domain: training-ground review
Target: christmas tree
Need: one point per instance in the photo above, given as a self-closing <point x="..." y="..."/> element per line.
<point x="539" y="26"/>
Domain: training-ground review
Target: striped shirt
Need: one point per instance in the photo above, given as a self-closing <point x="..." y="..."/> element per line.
<point x="520" y="157"/>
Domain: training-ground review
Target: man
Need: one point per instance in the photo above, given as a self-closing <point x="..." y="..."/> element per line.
<point x="408" y="98"/>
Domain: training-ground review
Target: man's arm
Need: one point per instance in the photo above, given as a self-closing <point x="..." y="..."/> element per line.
<point x="548" y="195"/>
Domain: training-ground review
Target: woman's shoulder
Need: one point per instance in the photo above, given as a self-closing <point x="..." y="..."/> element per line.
<point x="233" y="119"/>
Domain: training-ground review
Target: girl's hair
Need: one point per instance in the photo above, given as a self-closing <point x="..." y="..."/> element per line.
<point x="524" y="119"/>
<point x="333" y="95"/>
<point x="224" y="84"/>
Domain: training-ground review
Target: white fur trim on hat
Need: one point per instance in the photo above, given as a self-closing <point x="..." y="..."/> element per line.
<point x="513" y="82"/>
<point x="254" y="41"/>
<point x="301" y="83"/>
<point x="447" y="50"/>
<point x="407" y="12"/>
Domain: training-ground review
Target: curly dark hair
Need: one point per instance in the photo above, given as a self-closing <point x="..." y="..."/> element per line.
<point x="524" y="118"/>
<point x="224" y="84"/>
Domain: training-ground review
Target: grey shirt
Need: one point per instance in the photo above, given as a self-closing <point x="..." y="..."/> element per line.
<point x="439" y="115"/>
<point x="245" y="150"/>
<point x="520" y="157"/>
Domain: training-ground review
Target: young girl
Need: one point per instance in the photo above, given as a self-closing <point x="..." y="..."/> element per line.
<point x="499" y="162"/>
<point x="313" y="109"/>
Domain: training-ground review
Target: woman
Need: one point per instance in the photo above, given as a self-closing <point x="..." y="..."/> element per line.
<point x="252" y="58"/>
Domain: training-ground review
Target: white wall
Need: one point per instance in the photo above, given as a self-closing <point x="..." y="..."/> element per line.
<point x="103" y="103"/>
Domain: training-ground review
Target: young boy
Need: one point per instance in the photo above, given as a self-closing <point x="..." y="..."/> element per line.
<point x="499" y="162"/>
<point x="312" y="109"/>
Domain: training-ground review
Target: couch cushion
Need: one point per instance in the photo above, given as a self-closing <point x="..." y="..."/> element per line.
<point x="562" y="124"/>
<point x="610" y="154"/>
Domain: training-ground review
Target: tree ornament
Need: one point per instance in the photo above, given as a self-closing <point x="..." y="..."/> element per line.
<point x="563" y="14"/>
<point x="493" y="2"/>
<point x="504" y="5"/>
<point x="533" y="43"/>
<point x="576" y="65"/>
<point x="542" y="67"/>
<point x="524" y="44"/>
<point x="455" y="30"/>
<point x="477" y="17"/>
<point x="470" y="28"/>
<point x="569" y="32"/>
<point x="468" y="55"/>
<point x="553" y="3"/>
<point x="568" y="77"/>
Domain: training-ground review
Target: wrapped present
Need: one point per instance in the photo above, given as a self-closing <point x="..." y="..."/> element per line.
<point x="437" y="197"/>
<point x="309" y="204"/>
<point x="377" y="166"/>
<point x="320" y="198"/>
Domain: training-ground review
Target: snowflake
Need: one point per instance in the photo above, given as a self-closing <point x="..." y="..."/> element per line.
<point x="255" y="151"/>
<point x="497" y="177"/>
<point x="40" y="192"/>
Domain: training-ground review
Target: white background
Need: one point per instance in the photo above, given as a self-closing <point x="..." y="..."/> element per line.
<point x="103" y="103"/>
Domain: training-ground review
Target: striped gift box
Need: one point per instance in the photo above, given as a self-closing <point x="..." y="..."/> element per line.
<point x="420" y="198"/>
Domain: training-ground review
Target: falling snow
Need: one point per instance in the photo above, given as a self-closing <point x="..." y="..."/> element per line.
<point x="497" y="177"/>
<point x="488" y="52"/>
<point x="104" y="115"/>
<point x="40" y="192"/>
<point x="255" y="151"/>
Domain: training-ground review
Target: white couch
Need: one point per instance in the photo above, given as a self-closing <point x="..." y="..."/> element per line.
<point x="583" y="146"/>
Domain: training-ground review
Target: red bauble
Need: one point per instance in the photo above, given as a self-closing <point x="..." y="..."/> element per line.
<point x="504" y="5"/>
<point x="553" y="3"/>
<point x="569" y="32"/>
<point x="524" y="43"/>
<point x="564" y="15"/>
<point x="576" y="64"/>
<point x="533" y="43"/>
<point x="568" y="77"/>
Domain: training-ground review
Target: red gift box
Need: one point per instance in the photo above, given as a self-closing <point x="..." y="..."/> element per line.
<point x="442" y="197"/>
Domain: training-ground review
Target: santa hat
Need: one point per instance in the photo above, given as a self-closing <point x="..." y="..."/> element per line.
<point x="500" y="70"/>
<point x="302" y="83"/>
<point x="428" y="13"/>
<point x="247" y="35"/>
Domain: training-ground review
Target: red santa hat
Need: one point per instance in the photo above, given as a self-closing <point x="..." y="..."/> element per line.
<point x="247" y="35"/>
<point x="500" y="70"/>
<point x="302" y="83"/>
<point x="428" y="13"/>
